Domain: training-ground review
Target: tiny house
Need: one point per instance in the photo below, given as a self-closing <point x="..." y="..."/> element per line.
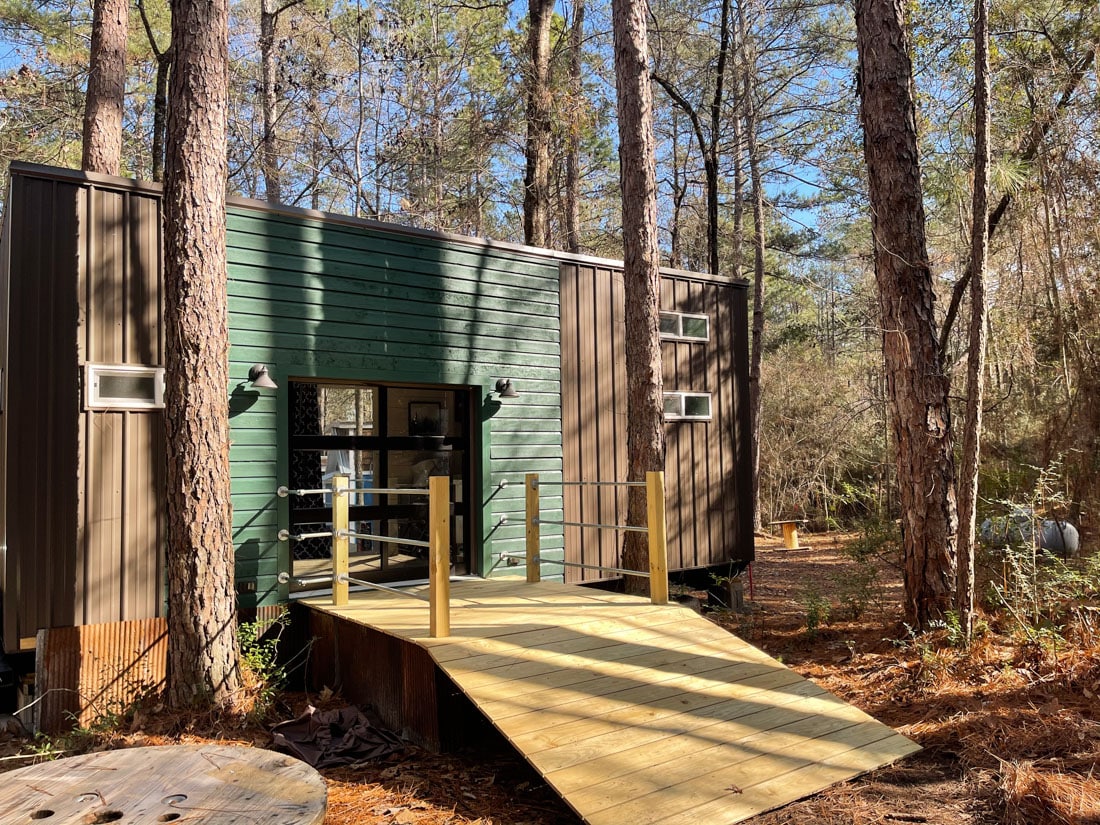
<point x="385" y="350"/>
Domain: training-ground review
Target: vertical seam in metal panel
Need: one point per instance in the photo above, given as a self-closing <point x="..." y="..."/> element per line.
<point x="5" y="310"/>
<point x="44" y="416"/>
<point x="125" y="534"/>
<point x="89" y="416"/>
<point x="124" y="310"/>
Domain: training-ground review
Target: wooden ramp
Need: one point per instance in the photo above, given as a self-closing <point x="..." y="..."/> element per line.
<point x="635" y="713"/>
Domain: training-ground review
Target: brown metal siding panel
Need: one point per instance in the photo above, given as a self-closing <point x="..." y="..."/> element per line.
<point x="706" y="502"/>
<point x="124" y="451"/>
<point x="106" y="277"/>
<point x="40" y="419"/>
<point x="619" y="469"/>
<point x="143" y="295"/>
<point x="700" y="553"/>
<point x="570" y="411"/>
<point x="678" y="446"/>
<point x="103" y="530"/>
<point x="606" y="433"/>
<point x="590" y="457"/>
<point x="716" y="445"/>
<point x="7" y="617"/>
<point x="144" y="517"/>
<point x="742" y="466"/>
<point x="84" y="286"/>
<point x="105" y="432"/>
<point x="143" y="458"/>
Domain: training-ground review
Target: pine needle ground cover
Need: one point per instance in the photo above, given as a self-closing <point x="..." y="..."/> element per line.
<point x="1010" y="726"/>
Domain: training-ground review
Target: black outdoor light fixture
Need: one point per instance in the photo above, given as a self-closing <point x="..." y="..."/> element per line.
<point x="260" y="377"/>
<point x="505" y="388"/>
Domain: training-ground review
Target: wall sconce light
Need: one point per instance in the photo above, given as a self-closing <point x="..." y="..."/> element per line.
<point x="505" y="388"/>
<point x="260" y="377"/>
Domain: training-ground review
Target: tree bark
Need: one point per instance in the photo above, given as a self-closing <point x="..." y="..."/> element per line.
<point x="975" y="362"/>
<point x="641" y="276"/>
<point x="738" y="195"/>
<point x="102" y="149"/>
<point x="916" y="385"/>
<point x="756" y="349"/>
<point x="573" y="151"/>
<point x="269" y="15"/>
<point x="160" y="95"/>
<point x="536" y="181"/>
<point x="202" y="640"/>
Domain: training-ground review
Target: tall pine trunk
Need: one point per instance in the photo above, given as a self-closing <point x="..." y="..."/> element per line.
<point x="102" y="148"/>
<point x="202" y="640"/>
<point x="756" y="349"/>
<point x="916" y="385"/>
<point x="536" y="182"/>
<point x="269" y="150"/>
<point x="573" y="148"/>
<point x="160" y="95"/>
<point x="645" y="442"/>
<point x="975" y="362"/>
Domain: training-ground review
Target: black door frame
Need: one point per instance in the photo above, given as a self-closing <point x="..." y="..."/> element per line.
<point x="467" y="442"/>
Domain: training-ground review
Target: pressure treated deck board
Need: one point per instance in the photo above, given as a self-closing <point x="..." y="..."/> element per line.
<point x="633" y="712"/>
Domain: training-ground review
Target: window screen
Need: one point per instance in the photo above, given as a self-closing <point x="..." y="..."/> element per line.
<point x="123" y="387"/>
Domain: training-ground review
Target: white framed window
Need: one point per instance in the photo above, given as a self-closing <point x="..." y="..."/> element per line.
<point x="123" y="387"/>
<point x="684" y="326"/>
<point x="688" y="406"/>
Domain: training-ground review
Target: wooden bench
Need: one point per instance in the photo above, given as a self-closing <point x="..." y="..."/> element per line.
<point x="790" y="532"/>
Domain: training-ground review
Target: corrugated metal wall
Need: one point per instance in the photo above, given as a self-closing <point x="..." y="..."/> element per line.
<point x="708" y="482"/>
<point x="95" y="671"/>
<point x="82" y="525"/>
<point x="122" y="454"/>
<point x="41" y="410"/>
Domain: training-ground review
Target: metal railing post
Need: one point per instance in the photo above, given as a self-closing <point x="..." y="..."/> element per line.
<point x="339" y="540"/>
<point x="439" y="556"/>
<point x="531" y="520"/>
<point x="658" y="540"/>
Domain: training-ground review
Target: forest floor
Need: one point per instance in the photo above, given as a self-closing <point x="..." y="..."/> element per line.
<point x="1010" y="727"/>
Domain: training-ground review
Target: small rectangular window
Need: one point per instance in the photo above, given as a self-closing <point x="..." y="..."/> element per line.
<point x="681" y="326"/>
<point x="123" y="387"/>
<point x="688" y="406"/>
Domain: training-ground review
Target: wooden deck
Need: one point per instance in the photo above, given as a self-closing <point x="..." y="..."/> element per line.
<point x="636" y="713"/>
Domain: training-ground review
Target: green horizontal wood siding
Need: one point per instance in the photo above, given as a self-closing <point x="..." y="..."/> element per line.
<point x="318" y="300"/>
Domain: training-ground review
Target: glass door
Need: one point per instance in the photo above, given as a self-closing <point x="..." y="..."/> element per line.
<point x="384" y="437"/>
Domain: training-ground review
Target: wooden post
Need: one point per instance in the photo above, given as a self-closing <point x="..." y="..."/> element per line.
<point x="534" y="566"/>
<point x="439" y="557"/>
<point x="658" y="540"/>
<point x="339" y="540"/>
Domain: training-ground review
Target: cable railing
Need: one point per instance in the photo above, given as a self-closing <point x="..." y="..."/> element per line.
<point x="654" y="529"/>
<point x="438" y="546"/>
